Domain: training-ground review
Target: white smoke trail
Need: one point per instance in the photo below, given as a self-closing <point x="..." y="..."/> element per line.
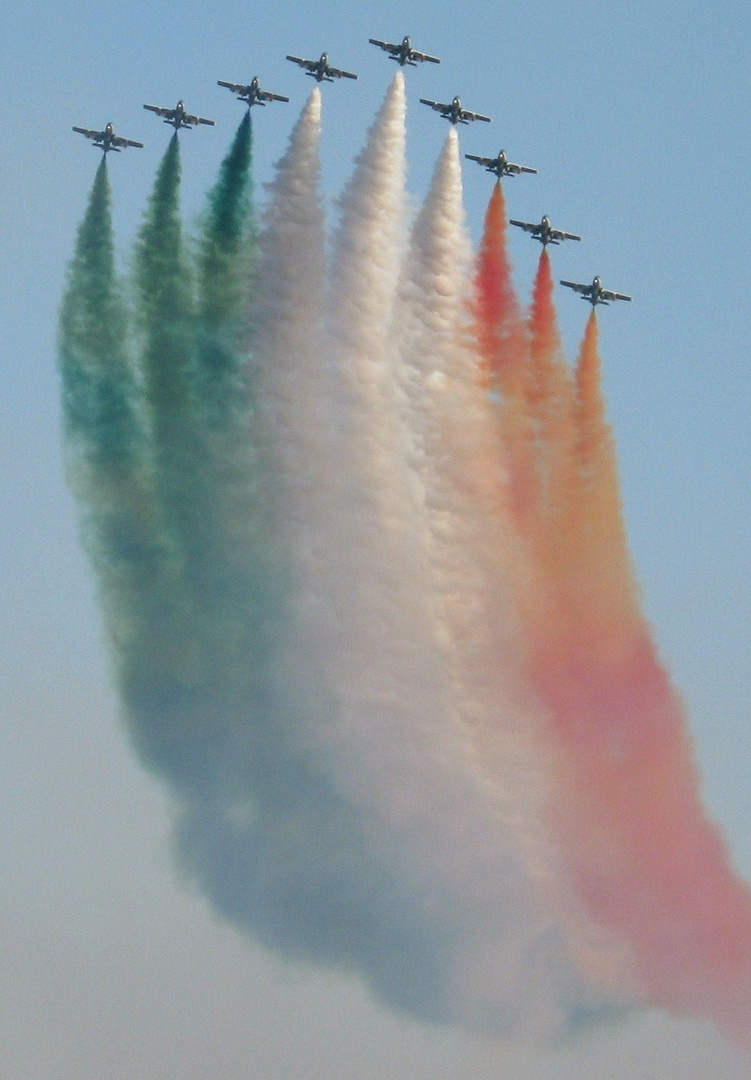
<point x="294" y="394"/>
<point x="521" y="974"/>
<point x="395" y="739"/>
<point x="395" y="576"/>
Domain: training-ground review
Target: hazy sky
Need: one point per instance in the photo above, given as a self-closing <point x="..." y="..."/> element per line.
<point x="637" y="120"/>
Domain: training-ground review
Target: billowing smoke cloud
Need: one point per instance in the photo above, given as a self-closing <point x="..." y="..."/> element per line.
<point x="359" y="543"/>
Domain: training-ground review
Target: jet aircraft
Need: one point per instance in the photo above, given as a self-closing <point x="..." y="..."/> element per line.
<point x="107" y="140"/>
<point x="594" y="293"/>
<point x="178" y="117"/>
<point x="252" y="94"/>
<point x="500" y="165"/>
<point x="320" y="69"/>
<point x="404" y="53"/>
<point x="544" y="232"/>
<point x="453" y="112"/>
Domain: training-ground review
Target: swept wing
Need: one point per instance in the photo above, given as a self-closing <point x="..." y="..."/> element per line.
<point x="309" y="65"/>
<point x="528" y="226"/>
<point x="466" y="115"/>
<point x="423" y="58"/>
<point x="160" y="110"/>
<point x="339" y="73"/>
<point x="107" y="140"/>
<point x="594" y="293"/>
<point x="543" y="231"/>
<point x="439" y="106"/>
<point x="191" y="118"/>
<point x="403" y="52"/>
<point x="500" y="165"/>
<point x="252" y="95"/>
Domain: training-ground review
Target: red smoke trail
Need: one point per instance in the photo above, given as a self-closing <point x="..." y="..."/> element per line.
<point x="500" y="329"/>
<point x="550" y="396"/>
<point x="643" y="858"/>
<point x="503" y="344"/>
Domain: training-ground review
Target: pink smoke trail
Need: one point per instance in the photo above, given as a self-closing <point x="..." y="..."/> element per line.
<point x="643" y="857"/>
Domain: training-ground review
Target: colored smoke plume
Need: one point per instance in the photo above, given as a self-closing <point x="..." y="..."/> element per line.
<point x="363" y="567"/>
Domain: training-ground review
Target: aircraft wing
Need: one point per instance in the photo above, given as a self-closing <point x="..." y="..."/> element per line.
<point x="467" y="115"/>
<point x="527" y="169"/>
<point x="608" y="295"/>
<point x="387" y="46"/>
<point x="577" y="287"/>
<point x="236" y="88"/>
<point x="558" y="234"/>
<point x="338" y="73"/>
<point x="88" y="133"/>
<point x="439" y="106"/>
<point x="480" y="160"/>
<point x="268" y="96"/>
<point x="424" y="57"/>
<point x="190" y="118"/>
<point x="118" y="140"/>
<point x="308" y="64"/>
<point x="159" y="110"/>
<point x="529" y="227"/>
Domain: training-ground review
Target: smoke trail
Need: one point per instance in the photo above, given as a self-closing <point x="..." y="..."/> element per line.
<point x="503" y="344"/>
<point x="550" y="398"/>
<point x="644" y="859"/>
<point x="225" y="273"/>
<point x="106" y="439"/>
<point x="365" y="573"/>
<point x="98" y="389"/>
<point x="288" y="363"/>
<point x="274" y="841"/>
<point x="527" y="973"/>
<point x="499" y="325"/>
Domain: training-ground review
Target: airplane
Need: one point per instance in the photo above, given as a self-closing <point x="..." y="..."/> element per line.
<point x="500" y="165"/>
<point x="594" y="293"/>
<point x="178" y="117"/>
<point x="453" y="112"/>
<point x="404" y="53"/>
<point x="252" y="94"/>
<point x="107" y="140"/>
<point x="320" y="69"/>
<point x="544" y="232"/>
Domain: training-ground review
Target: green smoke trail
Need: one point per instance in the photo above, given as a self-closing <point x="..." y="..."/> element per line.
<point x="226" y="257"/>
<point x="179" y="501"/>
<point x="183" y="697"/>
<point x="107" y="447"/>
<point x="99" y="407"/>
<point x="103" y="425"/>
<point x="165" y="305"/>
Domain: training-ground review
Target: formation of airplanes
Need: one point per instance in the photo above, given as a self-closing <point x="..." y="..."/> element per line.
<point x="322" y="71"/>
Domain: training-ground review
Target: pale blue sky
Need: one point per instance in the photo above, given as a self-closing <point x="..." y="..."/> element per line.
<point x="637" y="119"/>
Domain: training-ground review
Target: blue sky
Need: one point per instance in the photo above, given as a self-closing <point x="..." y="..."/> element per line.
<point x="637" y="120"/>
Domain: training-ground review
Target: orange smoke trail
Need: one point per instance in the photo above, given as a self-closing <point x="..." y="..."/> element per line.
<point x="643" y="858"/>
